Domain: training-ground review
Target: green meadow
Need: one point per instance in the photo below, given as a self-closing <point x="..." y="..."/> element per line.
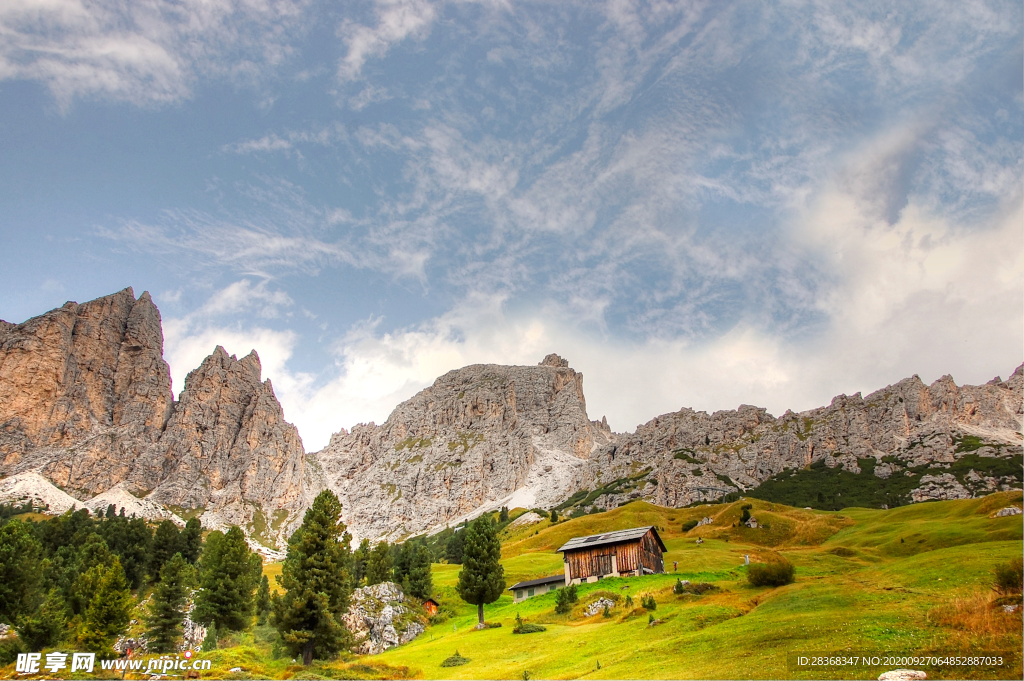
<point x="916" y="579"/>
<point x="912" y="580"/>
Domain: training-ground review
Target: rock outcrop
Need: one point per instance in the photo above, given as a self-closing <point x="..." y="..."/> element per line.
<point x="84" y="391"/>
<point x="692" y="456"/>
<point x="380" y="618"/>
<point x="480" y="437"/>
<point x="86" y="407"/>
<point x="87" y="418"/>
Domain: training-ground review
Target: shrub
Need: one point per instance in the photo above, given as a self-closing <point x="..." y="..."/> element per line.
<point x="565" y="599"/>
<point x="843" y="552"/>
<point x="678" y="589"/>
<point x="1010" y="576"/>
<point x="648" y="602"/>
<point x="607" y="612"/>
<point x="697" y="589"/>
<point x="770" y="574"/>
<point x="455" y="660"/>
<point x="629" y="601"/>
<point x="529" y="629"/>
<point x="689" y="525"/>
<point x="746" y="513"/>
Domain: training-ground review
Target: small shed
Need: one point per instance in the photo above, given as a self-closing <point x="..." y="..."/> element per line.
<point x="430" y="605"/>
<point x="622" y="553"/>
<point x="536" y="587"/>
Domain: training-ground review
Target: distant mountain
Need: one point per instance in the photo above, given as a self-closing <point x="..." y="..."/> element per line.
<point x="87" y="418"/>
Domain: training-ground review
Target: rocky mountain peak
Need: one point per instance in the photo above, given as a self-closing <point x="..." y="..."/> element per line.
<point x="554" y="360"/>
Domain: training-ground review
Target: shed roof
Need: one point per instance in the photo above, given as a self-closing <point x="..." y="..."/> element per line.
<point x="612" y="538"/>
<point x="537" y="582"/>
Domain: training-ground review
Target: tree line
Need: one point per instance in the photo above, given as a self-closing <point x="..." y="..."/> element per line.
<point x="76" y="579"/>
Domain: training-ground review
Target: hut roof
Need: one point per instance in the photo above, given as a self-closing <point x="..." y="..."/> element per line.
<point x="537" y="582"/>
<point x="615" y="537"/>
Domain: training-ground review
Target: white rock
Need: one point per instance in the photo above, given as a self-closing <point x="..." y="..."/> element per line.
<point x="1009" y="510"/>
<point x="903" y="675"/>
<point x="33" y="487"/>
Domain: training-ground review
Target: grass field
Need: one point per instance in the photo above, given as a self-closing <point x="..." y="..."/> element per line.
<point x="915" y="579"/>
<point x="901" y="584"/>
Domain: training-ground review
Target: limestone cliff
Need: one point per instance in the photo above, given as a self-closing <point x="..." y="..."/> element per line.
<point x="86" y="403"/>
<point x="479" y="437"/>
<point x="84" y="391"/>
<point x="691" y="456"/>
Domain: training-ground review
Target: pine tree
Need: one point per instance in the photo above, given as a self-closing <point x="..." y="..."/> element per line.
<point x="20" y="571"/>
<point x="44" y="627"/>
<point x="482" y="578"/>
<point x="379" y="567"/>
<point x="421" y="583"/>
<point x="167" y="609"/>
<point x="453" y="550"/>
<point x="210" y="640"/>
<point x="263" y="601"/>
<point x="166" y="543"/>
<point x="503" y="515"/>
<point x="108" y="607"/>
<point x="359" y="559"/>
<point x="228" y="576"/>
<point x="554" y="516"/>
<point x="316" y="576"/>
<point x="192" y="540"/>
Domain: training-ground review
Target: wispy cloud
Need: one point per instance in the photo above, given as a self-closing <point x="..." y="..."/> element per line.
<point x="146" y="52"/>
<point x="396" y="20"/>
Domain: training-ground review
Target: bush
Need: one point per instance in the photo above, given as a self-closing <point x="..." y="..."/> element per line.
<point x="689" y="525"/>
<point x="842" y="552"/>
<point x="455" y="660"/>
<point x="1010" y="576"/>
<point x="529" y="629"/>
<point x="648" y="602"/>
<point x="565" y="598"/>
<point x="629" y="601"/>
<point x="697" y="589"/>
<point x="770" y="574"/>
<point x="746" y="513"/>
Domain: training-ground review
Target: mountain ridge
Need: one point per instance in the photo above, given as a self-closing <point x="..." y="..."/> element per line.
<point x="86" y="406"/>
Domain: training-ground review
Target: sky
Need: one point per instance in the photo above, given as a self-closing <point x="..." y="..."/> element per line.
<point x="698" y="204"/>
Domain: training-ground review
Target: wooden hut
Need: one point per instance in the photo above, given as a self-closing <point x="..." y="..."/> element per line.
<point x="622" y="553"/>
<point x="535" y="587"/>
<point x="430" y="605"/>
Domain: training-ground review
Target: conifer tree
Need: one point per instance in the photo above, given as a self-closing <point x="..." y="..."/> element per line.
<point x="503" y="515"/>
<point x="482" y="578"/>
<point x="263" y="601"/>
<point x="107" y="610"/>
<point x="379" y="567"/>
<point x="192" y="540"/>
<point x="359" y="560"/>
<point x="45" y="627"/>
<point x="210" y="641"/>
<point x="167" y="609"/>
<point x="420" y="581"/>
<point x="166" y="543"/>
<point x="454" y="548"/>
<point x="228" y="576"/>
<point x="554" y="516"/>
<point x="20" y="574"/>
<point x="316" y="576"/>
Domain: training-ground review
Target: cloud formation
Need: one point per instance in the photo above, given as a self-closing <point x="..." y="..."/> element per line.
<point x="146" y="52"/>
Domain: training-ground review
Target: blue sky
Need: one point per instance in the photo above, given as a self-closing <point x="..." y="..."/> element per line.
<point x="698" y="204"/>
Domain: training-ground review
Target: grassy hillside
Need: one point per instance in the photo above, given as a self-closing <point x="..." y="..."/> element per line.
<point x="912" y="579"/>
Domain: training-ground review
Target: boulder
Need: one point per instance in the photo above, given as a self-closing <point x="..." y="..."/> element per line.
<point x="380" y="618"/>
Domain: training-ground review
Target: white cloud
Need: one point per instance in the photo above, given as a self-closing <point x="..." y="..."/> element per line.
<point x="396" y="20"/>
<point x="146" y="52"/>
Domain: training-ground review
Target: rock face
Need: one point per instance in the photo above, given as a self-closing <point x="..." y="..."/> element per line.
<point x="86" y="404"/>
<point x="227" y="449"/>
<point x="692" y="456"/>
<point x="480" y="437"/>
<point x="87" y="418"/>
<point x="380" y="618"/>
<point x="84" y="391"/>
